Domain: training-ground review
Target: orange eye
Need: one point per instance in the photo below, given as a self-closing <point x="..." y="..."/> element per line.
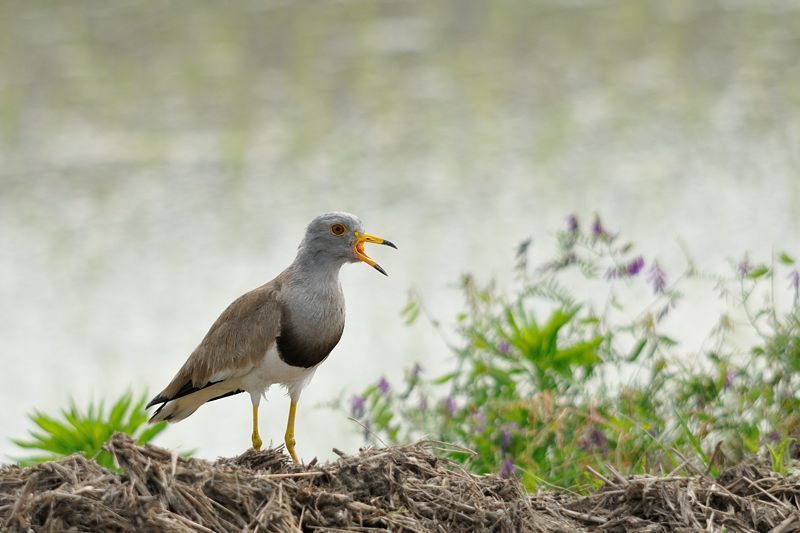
<point x="337" y="229"/>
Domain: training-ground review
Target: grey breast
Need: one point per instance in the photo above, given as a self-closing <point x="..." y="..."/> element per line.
<point x="312" y="322"/>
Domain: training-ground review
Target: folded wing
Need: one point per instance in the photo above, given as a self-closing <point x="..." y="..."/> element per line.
<point x="231" y="349"/>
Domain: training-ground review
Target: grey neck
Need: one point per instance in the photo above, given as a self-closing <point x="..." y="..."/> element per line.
<point x="309" y="264"/>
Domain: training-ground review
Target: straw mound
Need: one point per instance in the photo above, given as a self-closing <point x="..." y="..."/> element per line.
<point x="404" y="488"/>
<point x="746" y="498"/>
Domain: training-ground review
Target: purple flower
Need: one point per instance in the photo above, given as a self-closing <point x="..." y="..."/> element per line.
<point x="593" y="439"/>
<point x="383" y="386"/>
<point x="794" y="282"/>
<point x="450" y="405"/>
<point x="357" y="406"/>
<point x="508" y="469"/>
<point x="522" y="255"/>
<point x="729" y="376"/>
<point x="635" y="266"/>
<point x="629" y="270"/>
<point x="657" y="277"/>
<point x="794" y="279"/>
<point x="744" y="267"/>
<point x="563" y="262"/>
<point x="423" y="403"/>
<point x="480" y="421"/>
<point x="774" y="436"/>
<point x="597" y="228"/>
<point x="612" y="273"/>
<point x="522" y="248"/>
<point x="504" y="348"/>
<point x="508" y="432"/>
<point x="598" y="438"/>
<point x="572" y="224"/>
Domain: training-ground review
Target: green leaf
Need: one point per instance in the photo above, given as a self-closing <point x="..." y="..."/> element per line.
<point x="445" y="378"/>
<point x="758" y="272"/>
<point x="637" y="350"/>
<point x="501" y="377"/>
<point x="512" y="322"/>
<point x="119" y="409"/>
<point x="148" y="434"/>
<point x="780" y="458"/>
<point x="693" y="440"/>
<point x="580" y="354"/>
<point x="786" y="259"/>
<point x="558" y="320"/>
<point x="410" y="312"/>
<point x="668" y="341"/>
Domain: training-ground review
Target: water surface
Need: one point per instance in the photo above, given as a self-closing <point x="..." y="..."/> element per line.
<point x="156" y="162"/>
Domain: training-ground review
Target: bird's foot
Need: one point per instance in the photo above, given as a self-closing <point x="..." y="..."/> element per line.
<point x="256" y="442"/>
<point x="290" y="442"/>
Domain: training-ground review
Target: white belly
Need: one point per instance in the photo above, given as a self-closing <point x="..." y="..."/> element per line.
<point x="272" y="370"/>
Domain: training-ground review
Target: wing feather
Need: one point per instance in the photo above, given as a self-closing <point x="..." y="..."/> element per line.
<point x="233" y="346"/>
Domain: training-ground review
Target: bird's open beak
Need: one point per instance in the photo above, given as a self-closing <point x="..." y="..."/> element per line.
<point x="362" y="238"/>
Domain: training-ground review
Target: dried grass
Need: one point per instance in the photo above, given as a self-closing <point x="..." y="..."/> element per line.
<point x="404" y="488"/>
<point x="746" y="498"/>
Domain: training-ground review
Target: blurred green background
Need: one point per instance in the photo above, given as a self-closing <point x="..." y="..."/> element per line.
<point x="159" y="159"/>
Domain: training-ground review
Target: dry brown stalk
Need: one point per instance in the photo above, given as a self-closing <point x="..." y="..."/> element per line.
<point x="402" y="488"/>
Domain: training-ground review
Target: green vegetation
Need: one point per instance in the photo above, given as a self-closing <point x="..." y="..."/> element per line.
<point x="87" y="431"/>
<point x="550" y="380"/>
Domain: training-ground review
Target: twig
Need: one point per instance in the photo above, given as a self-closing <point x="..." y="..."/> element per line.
<point x="600" y="476"/>
<point x="368" y="430"/>
<point x="784" y="526"/>
<point x="617" y="475"/>
<point x="292" y="475"/>
<point x="584" y="517"/>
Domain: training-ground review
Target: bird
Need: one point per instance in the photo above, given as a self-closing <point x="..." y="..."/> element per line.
<point x="278" y="333"/>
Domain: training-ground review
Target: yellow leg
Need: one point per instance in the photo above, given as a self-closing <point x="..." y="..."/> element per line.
<point x="256" y="438"/>
<point x="289" y="437"/>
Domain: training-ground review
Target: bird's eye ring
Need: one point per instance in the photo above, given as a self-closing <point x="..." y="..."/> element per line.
<point x="337" y="229"/>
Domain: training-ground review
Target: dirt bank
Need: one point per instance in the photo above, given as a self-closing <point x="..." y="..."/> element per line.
<point x="404" y="488"/>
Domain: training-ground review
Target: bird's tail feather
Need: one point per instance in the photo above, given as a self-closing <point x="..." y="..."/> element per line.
<point x="179" y="408"/>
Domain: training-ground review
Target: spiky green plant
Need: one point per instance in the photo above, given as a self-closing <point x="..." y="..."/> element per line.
<point x="86" y="431"/>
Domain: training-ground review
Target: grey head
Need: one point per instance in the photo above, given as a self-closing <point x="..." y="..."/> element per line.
<point x="335" y="238"/>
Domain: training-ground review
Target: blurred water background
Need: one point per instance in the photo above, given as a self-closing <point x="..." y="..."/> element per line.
<point x="159" y="159"/>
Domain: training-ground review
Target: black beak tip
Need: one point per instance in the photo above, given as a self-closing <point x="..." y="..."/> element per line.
<point x="380" y="269"/>
<point x="389" y="243"/>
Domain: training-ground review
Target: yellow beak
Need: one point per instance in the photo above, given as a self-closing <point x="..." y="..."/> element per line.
<point x="361" y="239"/>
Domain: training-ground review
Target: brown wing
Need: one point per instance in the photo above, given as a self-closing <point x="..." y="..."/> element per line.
<point x="234" y="344"/>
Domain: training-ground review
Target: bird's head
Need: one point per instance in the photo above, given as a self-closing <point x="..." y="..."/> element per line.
<point x="340" y="236"/>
